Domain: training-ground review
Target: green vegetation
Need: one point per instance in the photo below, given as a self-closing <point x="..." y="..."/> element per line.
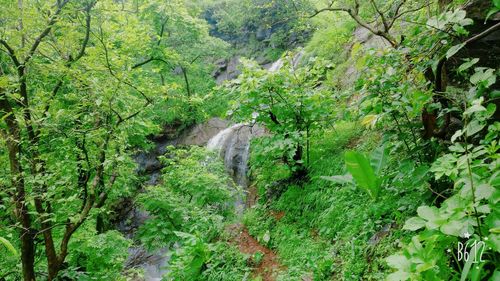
<point x="260" y="29"/>
<point x="379" y="160"/>
<point x="287" y="103"/>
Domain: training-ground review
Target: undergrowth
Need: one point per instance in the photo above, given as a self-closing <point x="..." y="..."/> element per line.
<point x="328" y="230"/>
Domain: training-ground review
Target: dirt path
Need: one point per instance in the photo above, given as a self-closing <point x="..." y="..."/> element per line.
<point x="269" y="265"/>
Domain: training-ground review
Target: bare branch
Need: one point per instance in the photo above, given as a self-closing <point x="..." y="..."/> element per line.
<point x="397" y="16"/>
<point x="483" y="34"/>
<point x="81" y="53"/>
<point x="382" y="16"/>
<point x="329" y="9"/>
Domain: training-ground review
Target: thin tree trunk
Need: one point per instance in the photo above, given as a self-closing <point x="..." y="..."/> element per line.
<point x="17" y="181"/>
<point x="188" y="88"/>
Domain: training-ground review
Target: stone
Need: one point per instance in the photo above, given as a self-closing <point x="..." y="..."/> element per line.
<point x="200" y="134"/>
<point x="229" y="71"/>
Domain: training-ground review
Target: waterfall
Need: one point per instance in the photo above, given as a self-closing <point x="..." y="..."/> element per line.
<point x="233" y="145"/>
<point x="276" y="65"/>
<point x="279" y="63"/>
<point x="217" y="141"/>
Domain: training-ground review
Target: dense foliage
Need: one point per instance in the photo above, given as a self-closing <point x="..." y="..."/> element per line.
<point x="379" y="160"/>
<point x="80" y="88"/>
<point x="287" y="103"/>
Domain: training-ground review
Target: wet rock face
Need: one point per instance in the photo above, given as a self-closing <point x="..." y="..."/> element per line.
<point x="151" y="263"/>
<point x="148" y="163"/>
<point x="130" y="218"/>
<point x="369" y="40"/>
<point x="233" y="145"/>
<point x="226" y="70"/>
<point x="202" y="133"/>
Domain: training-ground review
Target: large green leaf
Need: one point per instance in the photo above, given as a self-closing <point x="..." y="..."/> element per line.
<point x="378" y="159"/>
<point x="359" y="166"/>
<point x="8" y="245"/>
<point x="414" y="223"/>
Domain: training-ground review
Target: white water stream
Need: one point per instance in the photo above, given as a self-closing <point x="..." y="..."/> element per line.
<point x="233" y="145"/>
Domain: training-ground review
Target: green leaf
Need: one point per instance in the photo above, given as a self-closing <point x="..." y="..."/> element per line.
<point x="428" y="213"/>
<point x="8" y="245"/>
<point x="456" y="135"/>
<point x="398" y="261"/>
<point x="453" y="50"/>
<point x="414" y="223"/>
<point x="474" y="108"/>
<point x="495" y="276"/>
<point x="484" y="76"/>
<point x="362" y="172"/>
<point x="474" y="127"/>
<point x="378" y="159"/>
<point x="431" y="215"/>
<point x="468" y="64"/>
<point x="424" y="266"/>
<point x="495" y="179"/>
<point x="340" y="179"/>
<point x="454" y="227"/>
<point x="398" y="276"/>
<point x="4" y="81"/>
<point x="484" y="191"/>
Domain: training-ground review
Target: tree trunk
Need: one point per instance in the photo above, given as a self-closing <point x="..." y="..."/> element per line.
<point x="186" y="80"/>
<point x="17" y="181"/>
<point x="299" y="169"/>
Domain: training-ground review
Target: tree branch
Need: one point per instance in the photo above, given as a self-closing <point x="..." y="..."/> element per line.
<point x="11" y="53"/>
<point x="46" y="31"/>
<point x="382" y="16"/>
<point x="81" y="53"/>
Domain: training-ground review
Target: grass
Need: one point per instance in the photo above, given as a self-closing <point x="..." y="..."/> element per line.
<point x="326" y="228"/>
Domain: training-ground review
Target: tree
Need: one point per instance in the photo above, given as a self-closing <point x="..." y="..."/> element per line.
<point x="288" y="102"/>
<point x="181" y="54"/>
<point x="380" y="19"/>
<point x="74" y="97"/>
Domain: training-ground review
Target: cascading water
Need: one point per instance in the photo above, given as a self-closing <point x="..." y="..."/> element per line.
<point x="279" y="63"/>
<point x="233" y="145"/>
<point x="154" y="264"/>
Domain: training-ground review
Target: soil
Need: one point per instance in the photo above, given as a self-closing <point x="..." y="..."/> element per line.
<point x="353" y="143"/>
<point x="269" y="266"/>
<point x="277" y="215"/>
